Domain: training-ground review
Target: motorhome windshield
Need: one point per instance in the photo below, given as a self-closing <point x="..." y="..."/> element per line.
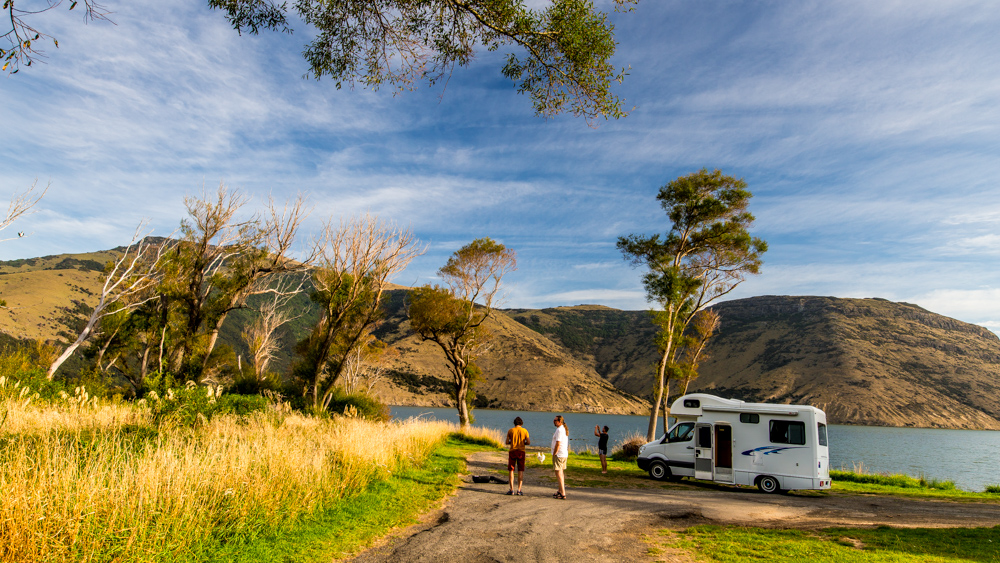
<point x="680" y="432"/>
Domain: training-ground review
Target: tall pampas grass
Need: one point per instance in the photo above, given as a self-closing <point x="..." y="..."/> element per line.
<point x="96" y="481"/>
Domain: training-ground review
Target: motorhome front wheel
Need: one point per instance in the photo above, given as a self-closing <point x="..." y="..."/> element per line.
<point x="659" y="471"/>
<point x="768" y="484"/>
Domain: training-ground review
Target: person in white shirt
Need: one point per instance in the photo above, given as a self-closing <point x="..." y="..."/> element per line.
<point x="560" y="451"/>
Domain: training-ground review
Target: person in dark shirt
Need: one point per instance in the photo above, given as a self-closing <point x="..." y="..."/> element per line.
<point x="602" y="446"/>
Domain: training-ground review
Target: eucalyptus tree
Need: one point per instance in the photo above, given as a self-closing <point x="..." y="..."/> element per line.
<point x="453" y="316"/>
<point x="706" y="252"/>
<point x="559" y="53"/>
<point x="354" y="264"/>
<point x="220" y="260"/>
<point x="127" y="283"/>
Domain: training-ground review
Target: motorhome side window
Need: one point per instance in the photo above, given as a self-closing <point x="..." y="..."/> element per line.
<point x="681" y="432"/>
<point x="822" y="434"/>
<point x="749" y="418"/>
<point x="788" y="432"/>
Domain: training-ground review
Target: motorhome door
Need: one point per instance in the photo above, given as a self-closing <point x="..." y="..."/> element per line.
<point x="703" y="451"/>
<point x="723" y="458"/>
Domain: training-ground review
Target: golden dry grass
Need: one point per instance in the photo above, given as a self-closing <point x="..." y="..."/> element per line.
<point x="96" y="482"/>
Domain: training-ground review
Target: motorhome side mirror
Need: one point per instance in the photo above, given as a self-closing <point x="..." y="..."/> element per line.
<point x="691" y="403"/>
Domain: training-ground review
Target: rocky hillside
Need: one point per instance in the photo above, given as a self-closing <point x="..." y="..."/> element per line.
<point x="864" y="361"/>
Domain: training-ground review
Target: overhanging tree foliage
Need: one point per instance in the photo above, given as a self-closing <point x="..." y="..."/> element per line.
<point x="707" y="252"/>
<point x="559" y="55"/>
<point x="453" y="316"/>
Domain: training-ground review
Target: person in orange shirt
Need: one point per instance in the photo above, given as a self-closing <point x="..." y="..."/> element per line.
<point x="517" y="438"/>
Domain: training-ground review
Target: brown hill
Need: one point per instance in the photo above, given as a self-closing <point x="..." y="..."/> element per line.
<point x="522" y="370"/>
<point x="864" y="361"/>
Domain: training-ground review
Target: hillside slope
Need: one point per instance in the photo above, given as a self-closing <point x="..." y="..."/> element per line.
<point x="864" y="361"/>
<point x="522" y="370"/>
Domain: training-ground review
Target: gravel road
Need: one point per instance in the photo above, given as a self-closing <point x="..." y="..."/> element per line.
<point x="480" y="523"/>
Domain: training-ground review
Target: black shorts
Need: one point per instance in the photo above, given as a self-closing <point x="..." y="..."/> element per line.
<point x="603" y="451"/>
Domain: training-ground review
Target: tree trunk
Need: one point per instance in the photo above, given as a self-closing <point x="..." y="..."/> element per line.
<point x="666" y="406"/>
<point x="72" y="348"/>
<point x="213" y="337"/>
<point x="144" y="365"/>
<point x="463" y="404"/>
<point x="660" y="371"/>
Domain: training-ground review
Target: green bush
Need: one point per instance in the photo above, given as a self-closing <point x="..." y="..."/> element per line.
<point x="32" y="378"/>
<point x="184" y="406"/>
<point x="992" y="489"/>
<point x="192" y="404"/>
<point x="364" y="405"/>
<point x="241" y="404"/>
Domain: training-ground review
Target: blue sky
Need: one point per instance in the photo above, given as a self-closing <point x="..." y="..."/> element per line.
<point x="868" y="133"/>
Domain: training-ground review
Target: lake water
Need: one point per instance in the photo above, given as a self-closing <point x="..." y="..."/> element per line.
<point x="970" y="458"/>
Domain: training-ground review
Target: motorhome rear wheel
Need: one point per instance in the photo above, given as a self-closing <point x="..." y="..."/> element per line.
<point x="768" y="484"/>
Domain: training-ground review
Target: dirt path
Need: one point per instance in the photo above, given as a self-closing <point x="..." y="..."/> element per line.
<point x="480" y="523"/>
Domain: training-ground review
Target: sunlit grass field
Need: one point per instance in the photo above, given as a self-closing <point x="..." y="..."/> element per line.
<point x="92" y="480"/>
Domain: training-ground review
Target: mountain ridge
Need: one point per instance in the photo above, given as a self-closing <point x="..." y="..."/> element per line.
<point x="864" y="361"/>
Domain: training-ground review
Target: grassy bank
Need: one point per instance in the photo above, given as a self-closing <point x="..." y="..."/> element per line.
<point x="362" y="519"/>
<point x="833" y="545"/>
<point x="86" y="480"/>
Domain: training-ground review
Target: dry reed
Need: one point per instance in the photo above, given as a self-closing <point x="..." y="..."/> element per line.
<point x="80" y="483"/>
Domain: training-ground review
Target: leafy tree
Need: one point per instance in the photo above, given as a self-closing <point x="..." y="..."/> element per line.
<point x="127" y="281"/>
<point x="707" y="252"/>
<point x="216" y="265"/>
<point x="560" y="55"/>
<point x="700" y="331"/>
<point x="453" y="316"/>
<point x="353" y="267"/>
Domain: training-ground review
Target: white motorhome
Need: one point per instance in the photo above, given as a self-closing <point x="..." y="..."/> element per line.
<point x="775" y="447"/>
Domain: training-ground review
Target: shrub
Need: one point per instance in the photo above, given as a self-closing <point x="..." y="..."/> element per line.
<point x="993" y="489"/>
<point x="628" y="448"/>
<point x="240" y="404"/>
<point x="184" y="406"/>
<point x="360" y="405"/>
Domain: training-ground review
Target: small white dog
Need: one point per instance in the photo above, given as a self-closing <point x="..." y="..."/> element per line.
<point x="541" y="457"/>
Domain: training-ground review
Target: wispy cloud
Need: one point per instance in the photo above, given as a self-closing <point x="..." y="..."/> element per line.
<point x="868" y="132"/>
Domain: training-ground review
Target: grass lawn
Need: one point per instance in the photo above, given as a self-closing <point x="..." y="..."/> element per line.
<point x="358" y="521"/>
<point x="584" y="470"/>
<point x="738" y="544"/>
<point x="882" y="544"/>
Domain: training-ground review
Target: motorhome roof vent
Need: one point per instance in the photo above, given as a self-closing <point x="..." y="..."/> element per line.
<point x="691" y="403"/>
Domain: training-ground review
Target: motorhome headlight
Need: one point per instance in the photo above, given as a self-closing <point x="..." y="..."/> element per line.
<point x="642" y="448"/>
